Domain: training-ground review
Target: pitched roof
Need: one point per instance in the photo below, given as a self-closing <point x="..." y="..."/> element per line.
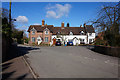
<point x="39" y="28"/>
<point x="66" y="30"/>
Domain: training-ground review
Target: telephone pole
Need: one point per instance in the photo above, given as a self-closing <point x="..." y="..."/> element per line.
<point x="10" y="14"/>
<point x="10" y="29"/>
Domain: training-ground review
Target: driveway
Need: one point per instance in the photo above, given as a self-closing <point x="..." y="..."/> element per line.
<point x="71" y="62"/>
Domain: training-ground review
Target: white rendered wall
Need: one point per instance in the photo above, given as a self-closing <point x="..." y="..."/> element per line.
<point x="91" y="37"/>
<point x="66" y="37"/>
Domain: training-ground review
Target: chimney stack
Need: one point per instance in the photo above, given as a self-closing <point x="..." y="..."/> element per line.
<point x="84" y="24"/>
<point x="43" y="22"/>
<point x="80" y="25"/>
<point x="68" y="25"/>
<point x="62" y="25"/>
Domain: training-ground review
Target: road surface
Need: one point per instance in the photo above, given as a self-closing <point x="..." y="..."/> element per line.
<point x="71" y="62"/>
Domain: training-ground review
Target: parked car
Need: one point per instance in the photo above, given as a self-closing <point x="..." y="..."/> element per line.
<point x="70" y="43"/>
<point x="58" y="43"/>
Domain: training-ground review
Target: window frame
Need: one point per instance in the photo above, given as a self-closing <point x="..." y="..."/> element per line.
<point x="46" y="32"/>
<point x="82" y="32"/>
<point x="33" y="39"/>
<point x="90" y="34"/>
<point x="71" y="33"/>
<point x="82" y="40"/>
<point x="33" y="32"/>
<point x="46" y="39"/>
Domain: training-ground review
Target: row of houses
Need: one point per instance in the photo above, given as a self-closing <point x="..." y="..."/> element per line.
<point x="47" y="34"/>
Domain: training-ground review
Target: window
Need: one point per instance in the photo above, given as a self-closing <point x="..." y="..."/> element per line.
<point x="33" y="32"/>
<point x="70" y="40"/>
<point x="90" y="40"/>
<point x="71" y="33"/>
<point x="33" y="39"/>
<point x="46" y="32"/>
<point x="90" y="34"/>
<point x="46" y="39"/>
<point x="82" y="33"/>
<point x="82" y="40"/>
<point x="38" y="39"/>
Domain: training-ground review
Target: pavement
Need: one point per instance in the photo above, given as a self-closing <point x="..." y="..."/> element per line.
<point x="16" y="68"/>
<point x="71" y="62"/>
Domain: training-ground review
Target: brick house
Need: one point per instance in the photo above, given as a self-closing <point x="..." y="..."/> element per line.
<point x="48" y="34"/>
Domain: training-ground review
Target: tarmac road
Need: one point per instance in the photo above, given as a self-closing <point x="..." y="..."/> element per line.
<point x="72" y="62"/>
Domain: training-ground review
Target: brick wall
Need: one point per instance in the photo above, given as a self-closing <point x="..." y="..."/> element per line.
<point x="112" y="51"/>
<point x="42" y="35"/>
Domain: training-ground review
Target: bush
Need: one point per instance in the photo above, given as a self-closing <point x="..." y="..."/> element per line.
<point x="43" y="44"/>
<point x="99" y="42"/>
<point x="33" y="44"/>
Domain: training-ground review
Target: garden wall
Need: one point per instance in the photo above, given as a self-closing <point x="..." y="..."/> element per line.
<point x="112" y="51"/>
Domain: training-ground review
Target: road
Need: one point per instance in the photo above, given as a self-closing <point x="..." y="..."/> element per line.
<point x="71" y="62"/>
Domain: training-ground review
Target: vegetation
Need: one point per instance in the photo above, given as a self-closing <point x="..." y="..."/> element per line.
<point x="108" y="23"/>
<point x="18" y="35"/>
<point x="11" y="34"/>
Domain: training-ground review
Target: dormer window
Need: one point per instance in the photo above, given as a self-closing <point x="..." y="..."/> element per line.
<point x="33" y="32"/>
<point x="71" y="33"/>
<point x="46" y="32"/>
<point x="90" y="34"/>
<point x="82" y="32"/>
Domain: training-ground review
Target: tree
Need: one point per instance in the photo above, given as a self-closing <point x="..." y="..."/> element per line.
<point x="17" y="34"/>
<point x="108" y="22"/>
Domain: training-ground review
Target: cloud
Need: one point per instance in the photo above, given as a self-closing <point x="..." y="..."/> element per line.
<point x="23" y="28"/>
<point x="22" y="19"/>
<point x="58" y="10"/>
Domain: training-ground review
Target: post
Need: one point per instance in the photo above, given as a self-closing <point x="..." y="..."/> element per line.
<point x="10" y="31"/>
<point x="10" y="14"/>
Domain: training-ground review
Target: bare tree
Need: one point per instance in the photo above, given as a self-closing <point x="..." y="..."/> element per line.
<point x="108" y="22"/>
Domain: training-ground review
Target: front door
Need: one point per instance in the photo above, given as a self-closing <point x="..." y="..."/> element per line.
<point x="39" y="40"/>
<point x="54" y="41"/>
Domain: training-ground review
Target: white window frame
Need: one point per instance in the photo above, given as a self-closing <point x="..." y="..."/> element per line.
<point x="46" y="39"/>
<point x="71" y="33"/>
<point x="33" y="40"/>
<point x="33" y="32"/>
<point x="82" y="40"/>
<point x="46" y="32"/>
<point x="82" y="32"/>
<point x="90" y="34"/>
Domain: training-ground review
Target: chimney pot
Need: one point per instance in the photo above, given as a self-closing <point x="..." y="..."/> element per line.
<point x="80" y="25"/>
<point x="68" y="25"/>
<point x="43" y="22"/>
<point x="62" y="25"/>
<point x="84" y="24"/>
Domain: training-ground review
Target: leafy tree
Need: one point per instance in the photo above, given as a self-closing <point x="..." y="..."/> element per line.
<point x="18" y="35"/>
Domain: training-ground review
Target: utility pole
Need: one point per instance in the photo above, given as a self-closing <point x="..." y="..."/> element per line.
<point x="10" y="29"/>
<point x="10" y="14"/>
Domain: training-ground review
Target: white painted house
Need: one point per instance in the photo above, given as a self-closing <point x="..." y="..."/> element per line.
<point x="79" y="35"/>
